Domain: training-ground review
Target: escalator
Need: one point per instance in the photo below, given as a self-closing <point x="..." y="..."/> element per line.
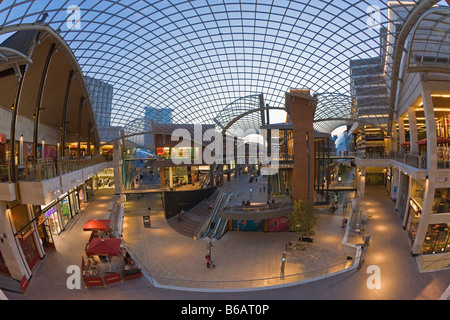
<point x="216" y="225"/>
<point x="207" y="182"/>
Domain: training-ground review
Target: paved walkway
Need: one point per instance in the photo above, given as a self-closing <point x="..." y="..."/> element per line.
<point x="240" y="256"/>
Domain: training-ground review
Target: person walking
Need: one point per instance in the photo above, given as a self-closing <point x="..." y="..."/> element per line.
<point x="209" y="263"/>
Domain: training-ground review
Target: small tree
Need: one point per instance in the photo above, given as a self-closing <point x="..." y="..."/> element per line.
<point x="303" y="219"/>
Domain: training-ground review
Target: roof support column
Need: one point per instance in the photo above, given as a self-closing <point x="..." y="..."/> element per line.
<point x="261" y="106"/>
<point x="394" y="139"/>
<point x="64" y="118"/>
<point x="88" y="147"/>
<point x="39" y="100"/>
<point x="413" y="131"/>
<point x="12" y="138"/>
<point x="430" y="182"/>
<point x="401" y="132"/>
<point x="80" y="113"/>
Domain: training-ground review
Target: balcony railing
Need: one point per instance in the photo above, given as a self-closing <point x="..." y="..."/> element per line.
<point x="416" y="161"/>
<point x="44" y="169"/>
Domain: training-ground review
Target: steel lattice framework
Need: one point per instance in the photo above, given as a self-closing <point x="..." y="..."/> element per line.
<point x="197" y="57"/>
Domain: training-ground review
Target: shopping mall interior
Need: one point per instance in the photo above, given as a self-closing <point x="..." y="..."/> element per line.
<point x="151" y="149"/>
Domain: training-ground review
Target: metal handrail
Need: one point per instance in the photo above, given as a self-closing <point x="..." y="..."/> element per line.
<point x="275" y="281"/>
<point x="47" y="168"/>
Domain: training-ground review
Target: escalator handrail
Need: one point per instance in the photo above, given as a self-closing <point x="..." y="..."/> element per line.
<point x="206" y="230"/>
<point x="215" y="217"/>
<point x="221" y="223"/>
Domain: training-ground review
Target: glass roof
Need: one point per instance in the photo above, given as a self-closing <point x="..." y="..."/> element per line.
<point x="198" y="57"/>
<point x="430" y="44"/>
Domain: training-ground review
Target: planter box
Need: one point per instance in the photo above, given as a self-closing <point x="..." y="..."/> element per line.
<point x="93" y="282"/>
<point x="133" y="276"/>
<point x="112" y="278"/>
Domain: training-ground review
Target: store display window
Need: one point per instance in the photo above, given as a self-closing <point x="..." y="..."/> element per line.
<point x="74" y="202"/>
<point x="19" y="215"/>
<point x="106" y="179"/>
<point x="441" y="202"/>
<point x="437" y="239"/>
<point x="415" y="212"/>
<point x="66" y="213"/>
<point x="53" y="220"/>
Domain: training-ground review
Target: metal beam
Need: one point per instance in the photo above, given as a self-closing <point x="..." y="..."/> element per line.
<point x="80" y="113"/>
<point x="64" y="117"/>
<point x="39" y="100"/>
<point x="12" y="138"/>
<point x="237" y="118"/>
<point x="409" y="24"/>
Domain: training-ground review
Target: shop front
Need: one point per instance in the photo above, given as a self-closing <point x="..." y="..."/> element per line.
<point x="59" y="214"/>
<point x="28" y="246"/>
<point x="437" y="239"/>
<point x="414" y="214"/>
<point x="65" y="210"/>
<point x="105" y="179"/>
<point x="45" y="232"/>
<point x="52" y="216"/>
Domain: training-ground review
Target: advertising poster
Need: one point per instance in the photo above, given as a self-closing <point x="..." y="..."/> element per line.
<point x="280" y="224"/>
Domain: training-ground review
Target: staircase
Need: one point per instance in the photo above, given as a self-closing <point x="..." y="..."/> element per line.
<point x="193" y="219"/>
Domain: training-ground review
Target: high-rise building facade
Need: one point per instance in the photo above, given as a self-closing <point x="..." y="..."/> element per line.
<point x="101" y="96"/>
<point x="155" y="115"/>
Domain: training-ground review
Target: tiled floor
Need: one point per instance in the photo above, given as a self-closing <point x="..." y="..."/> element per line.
<point x="241" y="256"/>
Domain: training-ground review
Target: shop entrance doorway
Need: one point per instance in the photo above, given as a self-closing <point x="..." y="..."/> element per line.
<point x="45" y="233"/>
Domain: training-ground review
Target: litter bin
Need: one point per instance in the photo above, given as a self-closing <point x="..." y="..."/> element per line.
<point x="147" y="222"/>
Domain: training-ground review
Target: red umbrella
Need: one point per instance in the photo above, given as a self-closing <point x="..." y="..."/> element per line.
<point x="104" y="247"/>
<point x="97" y="224"/>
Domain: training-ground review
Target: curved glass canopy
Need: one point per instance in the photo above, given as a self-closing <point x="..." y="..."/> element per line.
<point x="430" y="44"/>
<point x="197" y="57"/>
<point x="333" y="110"/>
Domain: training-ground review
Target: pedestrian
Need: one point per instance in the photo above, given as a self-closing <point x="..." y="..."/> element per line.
<point x="209" y="263"/>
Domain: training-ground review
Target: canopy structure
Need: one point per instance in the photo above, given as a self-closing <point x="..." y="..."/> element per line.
<point x="104" y="247"/>
<point x="96" y="224"/>
<point x="429" y="49"/>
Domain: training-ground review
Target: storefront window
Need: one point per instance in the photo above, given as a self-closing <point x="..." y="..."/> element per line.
<point x="441" y="202"/>
<point x="19" y="215"/>
<point x="74" y="204"/>
<point x="437" y="239"/>
<point x="53" y="220"/>
<point x="28" y="246"/>
<point x="89" y="189"/>
<point x="185" y="153"/>
<point x="65" y="210"/>
<point x="163" y="153"/>
<point x="106" y="179"/>
<point x="414" y="219"/>
<point x="81" y="197"/>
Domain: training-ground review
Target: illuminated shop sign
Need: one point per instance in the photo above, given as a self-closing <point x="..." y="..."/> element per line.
<point x="50" y="211"/>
